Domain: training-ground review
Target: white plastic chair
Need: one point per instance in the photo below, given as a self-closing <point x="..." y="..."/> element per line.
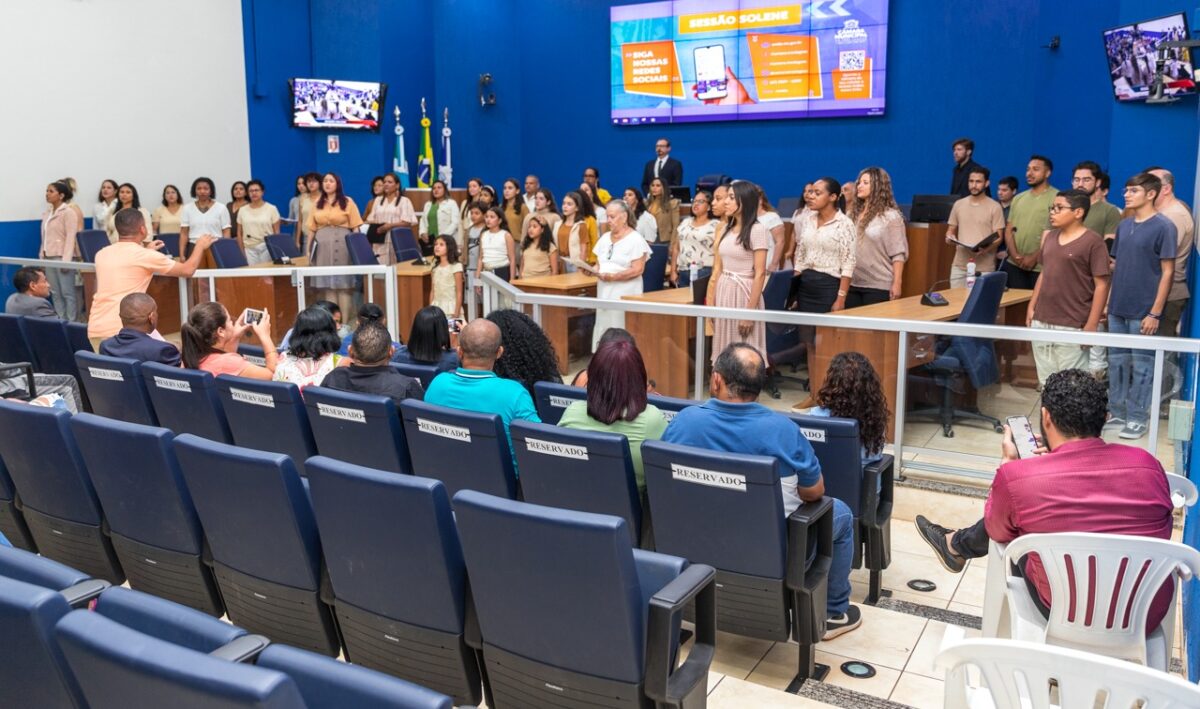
<point x="996" y="619"/>
<point x="1081" y="566"/>
<point x="1019" y="675"/>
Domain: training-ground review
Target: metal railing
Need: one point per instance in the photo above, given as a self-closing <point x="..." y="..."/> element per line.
<point x="495" y="287"/>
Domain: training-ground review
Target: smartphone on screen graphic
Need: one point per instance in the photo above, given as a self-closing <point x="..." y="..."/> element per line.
<point x="710" y="72"/>
<point x="1023" y="436"/>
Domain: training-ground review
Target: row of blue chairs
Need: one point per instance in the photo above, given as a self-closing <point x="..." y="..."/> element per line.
<point x="49" y="344"/>
<point x="73" y="641"/>
<point x="235" y="530"/>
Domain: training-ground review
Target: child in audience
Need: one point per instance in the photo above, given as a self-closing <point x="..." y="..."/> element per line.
<point x="447" y="277"/>
<point x="312" y="349"/>
<point x="496" y="246"/>
<point x="539" y="254"/>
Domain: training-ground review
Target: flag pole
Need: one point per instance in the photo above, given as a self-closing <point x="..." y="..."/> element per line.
<point x="446" y="172"/>
<point x="399" y="163"/>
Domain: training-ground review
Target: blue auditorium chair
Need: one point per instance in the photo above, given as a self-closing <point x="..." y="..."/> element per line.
<point x="55" y="353"/>
<point x="578" y="470"/>
<point x="227" y="254"/>
<point x="253" y="354"/>
<point x="552" y="399"/>
<point x="28" y="567"/>
<point x="421" y="372"/>
<point x="606" y="615"/>
<point x="170" y="244"/>
<point x="14" y="342"/>
<point x="280" y="245"/>
<point x="782" y="339"/>
<point x="151" y="519"/>
<point x="115" y="388"/>
<point x="58" y="501"/>
<point x="654" y="275"/>
<point x="325" y="683"/>
<point x="90" y="242"/>
<point x="12" y="521"/>
<point x="405" y="244"/>
<point x="464" y="449"/>
<point x="866" y="490"/>
<point x="397" y="573"/>
<point x="267" y="416"/>
<point x="266" y="552"/>
<point x="671" y="405"/>
<point x="186" y="401"/>
<point x="32" y="663"/>
<point x="360" y="250"/>
<point x="725" y="510"/>
<point x="358" y="428"/>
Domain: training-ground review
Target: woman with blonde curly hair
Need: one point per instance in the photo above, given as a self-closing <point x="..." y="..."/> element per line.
<point x="882" y="242"/>
<point x="852" y="390"/>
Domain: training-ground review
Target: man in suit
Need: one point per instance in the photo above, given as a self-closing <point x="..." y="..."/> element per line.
<point x="33" y="292"/>
<point x="663" y="166"/>
<point x="139" y="318"/>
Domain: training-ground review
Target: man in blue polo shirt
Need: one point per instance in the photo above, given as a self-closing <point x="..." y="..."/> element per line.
<point x="474" y="386"/>
<point x="733" y="422"/>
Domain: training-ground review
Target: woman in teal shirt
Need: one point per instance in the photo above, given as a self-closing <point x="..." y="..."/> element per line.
<point x="616" y="402"/>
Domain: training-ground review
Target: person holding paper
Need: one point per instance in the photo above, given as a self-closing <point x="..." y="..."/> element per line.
<point x="620" y="257"/>
<point x="973" y="221"/>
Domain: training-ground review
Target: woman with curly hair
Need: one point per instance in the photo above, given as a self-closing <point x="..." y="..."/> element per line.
<point x="882" y="241"/>
<point x="852" y="390"/>
<point x="528" y="355"/>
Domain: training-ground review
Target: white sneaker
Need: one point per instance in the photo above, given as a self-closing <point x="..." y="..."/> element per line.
<point x="1133" y="430"/>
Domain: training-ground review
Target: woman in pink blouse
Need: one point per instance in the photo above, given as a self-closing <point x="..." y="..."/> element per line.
<point x="60" y="224"/>
<point x="210" y="341"/>
<point x="882" y="241"/>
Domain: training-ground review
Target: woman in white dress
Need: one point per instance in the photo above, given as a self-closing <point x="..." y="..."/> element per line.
<point x="104" y="203"/>
<point x="621" y="255"/>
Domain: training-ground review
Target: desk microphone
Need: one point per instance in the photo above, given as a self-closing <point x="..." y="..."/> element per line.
<point x="932" y="297"/>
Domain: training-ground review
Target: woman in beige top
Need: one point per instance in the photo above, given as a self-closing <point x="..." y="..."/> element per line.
<point x="70" y="201"/>
<point x="514" y="207"/>
<point x="127" y="197"/>
<point x="332" y="217"/>
<point x="60" y="224"/>
<point x="882" y="241"/>
<point x="664" y="210"/>
<point x="255" y="222"/>
<point x="389" y="210"/>
<point x="573" y="236"/>
<point x="167" y="218"/>
<point x="312" y="183"/>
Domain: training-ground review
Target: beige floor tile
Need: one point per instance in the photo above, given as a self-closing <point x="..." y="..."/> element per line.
<point x="919" y="433"/>
<point x="714" y="678"/>
<point x="975" y="437"/>
<point x="736" y="656"/>
<point x="734" y="693"/>
<point x="905" y="567"/>
<point x="885" y="638"/>
<point x="923" y="656"/>
<point x="917" y="691"/>
<point x="952" y="511"/>
<point x="779" y="667"/>
<point x="974" y="581"/>
<point x="965" y="608"/>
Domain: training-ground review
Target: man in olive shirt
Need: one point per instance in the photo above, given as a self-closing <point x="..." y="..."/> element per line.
<point x="1172" y="208"/>
<point x="1102" y="217"/>
<point x="1028" y="220"/>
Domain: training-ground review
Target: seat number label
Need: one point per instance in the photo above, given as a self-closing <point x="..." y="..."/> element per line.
<point x="341" y="412"/>
<point x="816" y="435"/>
<point x="561" y="402"/>
<point x="712" y="478"/>
<point x="457" y="433"/>
<point x="173" y="384"/>
<point x="252" y="397"/>
<point x="110" y="374"/>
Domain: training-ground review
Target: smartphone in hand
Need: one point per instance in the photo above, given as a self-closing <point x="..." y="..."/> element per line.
<point x="252" y="316"/>
<point x="1023" y="436"/>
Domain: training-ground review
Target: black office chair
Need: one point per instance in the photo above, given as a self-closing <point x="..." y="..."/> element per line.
<point x="965" y="361"/>
<point x="654" y="275"/>
<point x="90" y="242"/>
<point x="227" y="254"/>
<point x="783" y="340"/>
<point x="405" y="244"/>
<point x="280" y="245"/>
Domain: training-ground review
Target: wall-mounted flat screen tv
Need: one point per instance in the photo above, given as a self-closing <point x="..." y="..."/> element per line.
<point x="1133" y="52"/>
<point x="328" y="103"/>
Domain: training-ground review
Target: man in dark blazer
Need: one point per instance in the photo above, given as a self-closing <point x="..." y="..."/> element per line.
<point x="139" y="318"/>
<point x="664" y="166"/>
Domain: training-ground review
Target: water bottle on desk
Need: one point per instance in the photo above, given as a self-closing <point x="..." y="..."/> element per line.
<point x="970" y="274"/>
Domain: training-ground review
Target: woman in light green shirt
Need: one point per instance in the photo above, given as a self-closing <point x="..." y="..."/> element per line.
<point x="616" y="401"/>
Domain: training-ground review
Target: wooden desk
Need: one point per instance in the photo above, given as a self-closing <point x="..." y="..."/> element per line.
<point x="665" y="342"/>
<point x="882" y="348"/>
<point x="414" y="285"/>
<point x="419" y="196"/>
<point x="276" y="294"/>
<point x="929" y="258"/>
<point x="556" y="322"/>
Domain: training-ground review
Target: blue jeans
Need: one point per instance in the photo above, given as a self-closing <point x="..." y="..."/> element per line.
<point x="837" y="598"/>
<point x="685" y="276"/>
<point x="1130" y="374"/>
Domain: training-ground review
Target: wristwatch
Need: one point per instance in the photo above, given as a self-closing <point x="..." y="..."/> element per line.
<point x="841" y="294"/>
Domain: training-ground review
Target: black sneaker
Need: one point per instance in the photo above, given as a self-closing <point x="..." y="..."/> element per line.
<point x="935" y="536"/>
<point x="842" y="624"/>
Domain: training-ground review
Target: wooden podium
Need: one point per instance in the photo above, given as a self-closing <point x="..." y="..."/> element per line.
<point x="883" y="348"/>
<point x="665" y="342"/>
<point x="413" y="289"/>
<point x="275" y="294"/>
<point x="929" y="259"/>
<point x="556" y="322"/>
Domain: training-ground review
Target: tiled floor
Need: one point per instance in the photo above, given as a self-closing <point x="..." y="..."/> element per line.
<point x="901" y="647"/>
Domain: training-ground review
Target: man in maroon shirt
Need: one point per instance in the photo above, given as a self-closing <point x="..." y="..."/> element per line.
<point x="1075" y="483"/>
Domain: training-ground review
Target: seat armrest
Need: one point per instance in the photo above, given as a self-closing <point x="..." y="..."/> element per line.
<point x="878" y="491"/>
<point x="811" y="520"/>
<point x="472" y="635"/>
<point x="84" y="591"/>
<point x="681" y="686"/>
<point x="9" y="369"/>
<point x="325" y="591"/>
<point x="242" y="649"/>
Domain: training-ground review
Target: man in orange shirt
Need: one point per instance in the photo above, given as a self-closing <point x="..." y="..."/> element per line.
<point x="127" y="267"/>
